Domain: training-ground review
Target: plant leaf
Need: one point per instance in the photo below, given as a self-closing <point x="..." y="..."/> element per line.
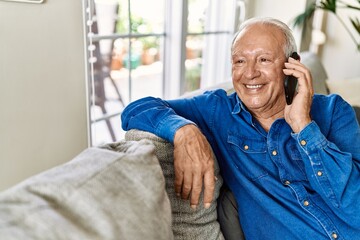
<point x="329" y="5"/>
<point x="356" y="23"/>
<point x="303" y="18"/>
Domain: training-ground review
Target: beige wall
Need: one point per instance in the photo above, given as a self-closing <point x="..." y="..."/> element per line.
<point x="43" y="118"/>
<point x="285" y="10"/>
<point x="339" y="54"/>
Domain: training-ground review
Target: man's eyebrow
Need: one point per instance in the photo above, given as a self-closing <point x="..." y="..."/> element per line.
<point x="235" y="53"/>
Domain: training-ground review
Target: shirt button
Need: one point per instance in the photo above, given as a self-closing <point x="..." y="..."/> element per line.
<point x="306" y="203"/>
<point x="287" y="182"/>
<point x="319" y="173"/>
<point x="334" y="236"/>
<point x="303" y="142"/>
<point x="274" y="153"/>
<point x="246" y="147"/>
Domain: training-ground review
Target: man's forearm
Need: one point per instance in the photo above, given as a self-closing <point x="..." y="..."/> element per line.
<point x="153" y="115"/>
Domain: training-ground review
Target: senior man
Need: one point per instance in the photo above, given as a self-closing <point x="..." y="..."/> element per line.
<point x="292" y="168"/>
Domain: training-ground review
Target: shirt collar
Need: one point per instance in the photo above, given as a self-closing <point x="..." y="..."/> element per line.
<point x="239" y="106"/>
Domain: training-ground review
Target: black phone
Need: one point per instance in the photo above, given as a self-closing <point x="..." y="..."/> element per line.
<point x="290" y="83"/>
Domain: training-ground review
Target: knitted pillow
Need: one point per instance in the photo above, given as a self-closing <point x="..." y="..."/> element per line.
<point x="199" y="224"/>
<point x="100" y="194"/>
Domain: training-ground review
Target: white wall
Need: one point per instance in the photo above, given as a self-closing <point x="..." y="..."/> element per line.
<point x="284" y="10"/>
<point x="43" y="118"/>
<point x="339" y="54"/>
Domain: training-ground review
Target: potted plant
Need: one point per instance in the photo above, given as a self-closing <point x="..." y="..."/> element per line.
<point x="150" y="47"/>
<point x="331" y="6"/>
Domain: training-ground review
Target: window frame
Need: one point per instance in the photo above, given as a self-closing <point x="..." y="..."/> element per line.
<point x="174" y="50"/>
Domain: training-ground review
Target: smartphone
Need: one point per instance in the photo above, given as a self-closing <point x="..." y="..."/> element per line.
<point x="290" y="83"/>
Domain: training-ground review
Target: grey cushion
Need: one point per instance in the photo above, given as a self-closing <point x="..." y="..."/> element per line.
<point x="100" y="194"/>
<point x="318" y="72"/>
<point x="357" y="112"/>
<point x="227" y="86"/>
<point x="187" y="223"/>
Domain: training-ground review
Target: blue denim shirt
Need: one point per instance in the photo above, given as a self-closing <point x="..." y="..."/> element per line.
<point x="287" y="185"/>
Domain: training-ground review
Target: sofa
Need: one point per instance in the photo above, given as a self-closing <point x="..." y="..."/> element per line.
<point x="122" y="190"/>
<point x="323" y="84"/>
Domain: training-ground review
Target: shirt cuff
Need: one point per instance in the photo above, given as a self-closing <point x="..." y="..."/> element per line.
<point x="167" y="127"/>
<point x="310" y="138"/>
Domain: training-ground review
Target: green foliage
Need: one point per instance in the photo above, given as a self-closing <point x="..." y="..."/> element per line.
<point x="330" y="6"/>
<point x="305" y="17"/>
<point x="138" y="25"/>
<point x="356" y="24"/>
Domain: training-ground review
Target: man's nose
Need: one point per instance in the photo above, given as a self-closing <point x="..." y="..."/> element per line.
<point x="251" y="70"/>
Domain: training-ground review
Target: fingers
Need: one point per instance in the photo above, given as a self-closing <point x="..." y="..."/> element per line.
<point x="183" y="176"/>
<point x="297" y="69"/>
<point x="196" y="190"/>
<point x="189" y="185"/>
<point x="191" y="181"/>
<point x="183" y="172"/>
<point x="209" y="188"/>
<point x="194" y="166"/>
<point x="297" y="114"/>
<point x="179" y="178"/>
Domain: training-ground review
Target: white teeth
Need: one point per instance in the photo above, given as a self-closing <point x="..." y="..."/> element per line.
<point x="253" y="86"/>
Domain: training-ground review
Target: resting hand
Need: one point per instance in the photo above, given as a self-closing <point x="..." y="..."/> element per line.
<point x="297" y="115"/>
<point x="194" y="166"/>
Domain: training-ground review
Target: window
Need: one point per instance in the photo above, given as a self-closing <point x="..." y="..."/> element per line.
<point x="161" y="48"/>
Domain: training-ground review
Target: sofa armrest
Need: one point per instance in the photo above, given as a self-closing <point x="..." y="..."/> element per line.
<point x="187" y="223"/>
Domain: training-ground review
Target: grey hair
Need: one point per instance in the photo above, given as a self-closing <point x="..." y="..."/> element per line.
<point x="290" y="44"/>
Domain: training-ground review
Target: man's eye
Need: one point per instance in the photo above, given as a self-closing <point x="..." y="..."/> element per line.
<point x="264" y="60"/>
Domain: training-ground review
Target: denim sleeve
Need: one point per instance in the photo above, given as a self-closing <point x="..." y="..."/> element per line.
<point x="165" y="117"/>
<point x="332" y="162"/>
<point x="154" y="115"/>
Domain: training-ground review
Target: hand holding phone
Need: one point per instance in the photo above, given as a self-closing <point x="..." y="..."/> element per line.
<point x="290" y="83"/>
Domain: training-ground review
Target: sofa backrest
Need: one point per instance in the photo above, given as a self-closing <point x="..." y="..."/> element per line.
<point x="187" y="223"/>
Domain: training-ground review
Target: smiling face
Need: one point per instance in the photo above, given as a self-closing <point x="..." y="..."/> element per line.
<point x="257" y="61"/>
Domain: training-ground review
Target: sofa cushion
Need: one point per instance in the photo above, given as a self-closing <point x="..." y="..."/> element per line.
<point x="100" y="194"/>
<point x="186" y="223"/>
<point x="227" y="86"/>
<point x="357" y="112"/>
<point x="347" y="88"/>
<point x="318" y="72"/>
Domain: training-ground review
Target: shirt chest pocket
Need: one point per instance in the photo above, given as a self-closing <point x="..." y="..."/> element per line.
<point x="295" y="163"/>
<point x="249" y="155"/>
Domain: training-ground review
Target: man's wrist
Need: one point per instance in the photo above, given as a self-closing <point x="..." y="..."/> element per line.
<point x="298" y="126"/>
<point x="183" y="131"/>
